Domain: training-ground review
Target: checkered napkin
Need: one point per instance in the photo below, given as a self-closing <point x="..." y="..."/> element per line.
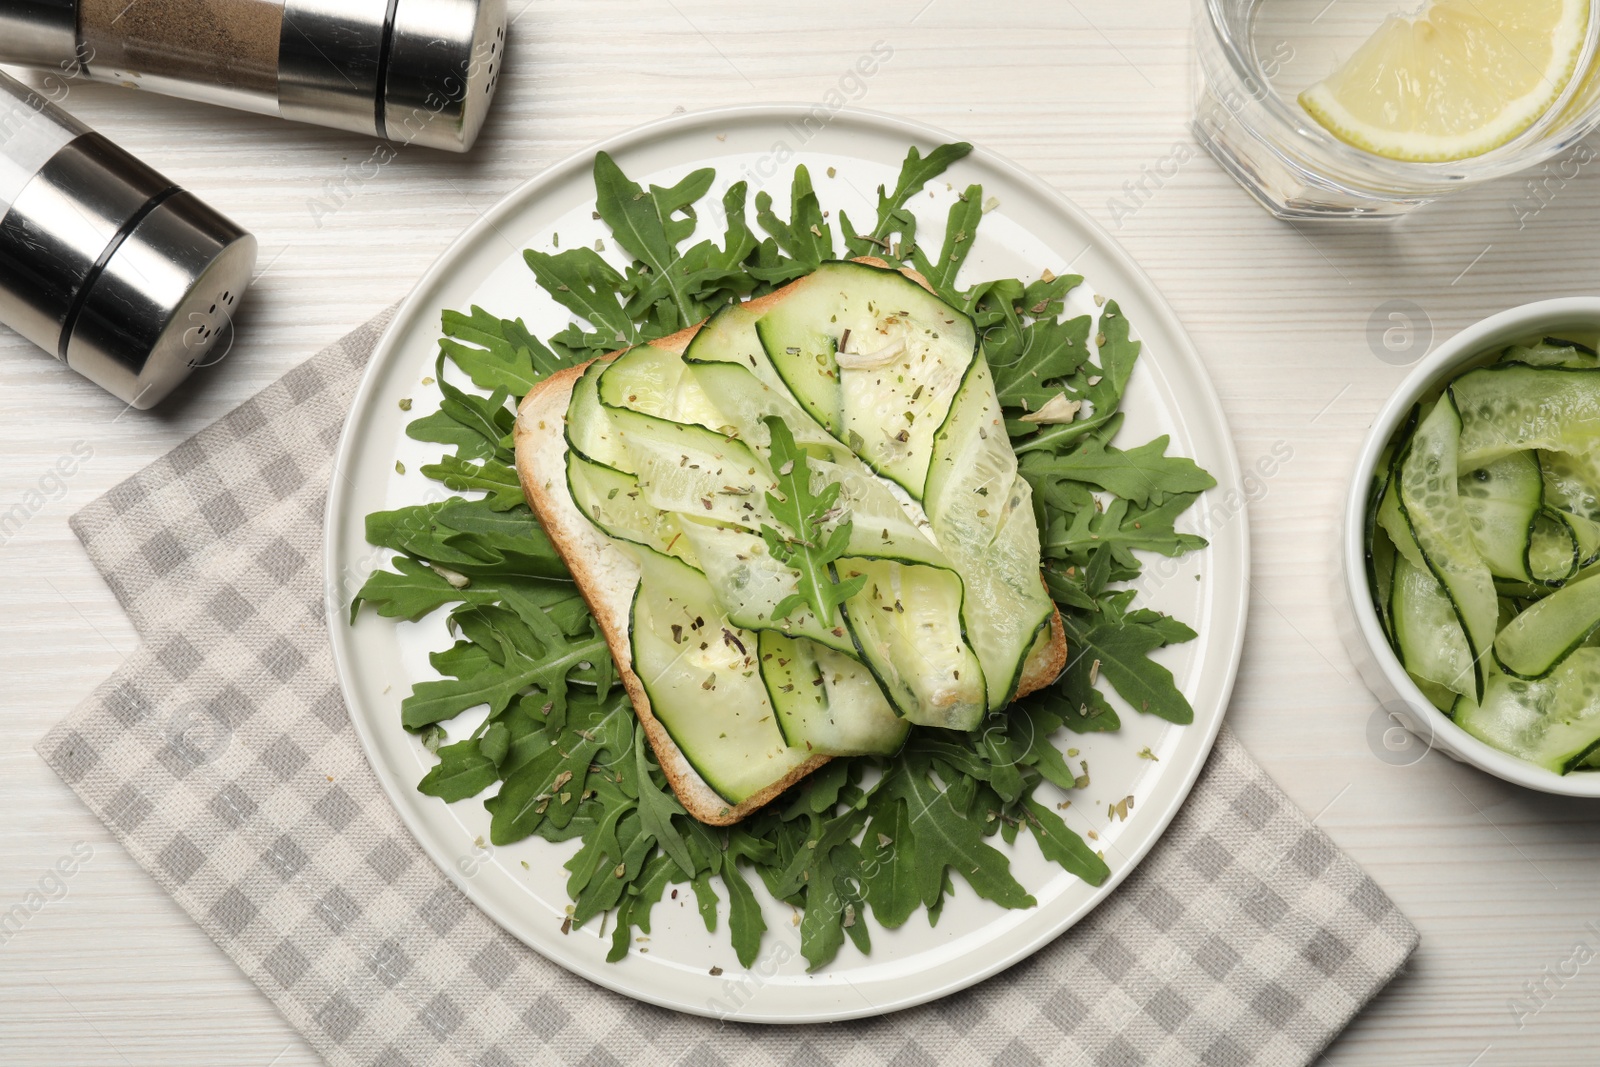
<point x="222" y="757"/>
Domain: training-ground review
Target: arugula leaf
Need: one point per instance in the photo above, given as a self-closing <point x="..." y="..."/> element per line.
<point x="1003" y="753"/>
<point x="496" y="479"/>
<point x="1076" y="702"/>
<point x="410" y="591"/>
<point x="890" y="864"/>
<point x="657" y="808"/>
<point x="462" y="771"/>
<point x="591" y="743"/>
<point x="849" y="885"/>
<point x="821" y="855"/>
<point x="1048" y="352"/>
<point x="650" y="224"/>
<point x="630" y="847"/>
<point x="996" y="309"/>
<point x="898" y="221"/>
<point x="502" y="632"/>
<point x="583" y="283"/>
<point x="440" y="428"/>
<point x="497" y="353"/>
<point x="488" y="416"/>
<point x="433" y="702"/>
<point x="941" y="839"/>
<point x="642" y="896"/>
<point x="1030" y="350"/>
<point x="1034" y="722"/>
<point x="470" y="537"/>
<point x="806" y="236"/>
<point x="497" y="536"/>
<point x="1123" y="650"/>
<point x="1066" y="848"/>
<point x="551" y="608"/>
<point x="416" y="530"/>
<point x="548" y="665"/>
<point x="803" y="547"/>
<point x="1026" y="437"/>
<point x="1067" y="586"/>
<point x="917" y="171"/>
<point x="716" y="274"/>
<point x="1116" y="354"/>
<point x="495" y="743"/>
<point x="821" y="935"/>
<point x="1142" y="475"/>
<point x="1097" y="574"/>
<point x="1171" y="630"/>
<point x="706" y="899"/>
<point x="1121" y="527"/>
<point x="960" y="228"/>
<point x="745" y="921"/>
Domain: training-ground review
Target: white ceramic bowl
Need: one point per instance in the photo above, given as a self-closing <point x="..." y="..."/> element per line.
<point x="1374" y="658"/>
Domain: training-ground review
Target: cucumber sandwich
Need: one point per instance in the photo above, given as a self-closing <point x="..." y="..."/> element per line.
<point x="801" y="528"/>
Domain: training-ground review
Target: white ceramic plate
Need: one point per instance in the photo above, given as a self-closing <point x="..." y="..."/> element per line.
<point x="1032" y="228"/>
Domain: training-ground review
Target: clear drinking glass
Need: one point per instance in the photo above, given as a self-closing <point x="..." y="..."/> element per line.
<point x="1256" y="56"/>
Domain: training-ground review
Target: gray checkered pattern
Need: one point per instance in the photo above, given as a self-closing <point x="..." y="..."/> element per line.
<point x="222" y="757"/>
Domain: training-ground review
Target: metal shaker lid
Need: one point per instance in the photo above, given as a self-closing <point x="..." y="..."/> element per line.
<point x="163" y="302"/>
<point x="39" y="33"/>
<point x="413" y="71"/>
<point x="113" y="269"/>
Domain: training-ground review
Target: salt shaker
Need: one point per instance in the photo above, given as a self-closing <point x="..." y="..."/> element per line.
<point x="413" y="71"/>
<point x="126" y="278"/>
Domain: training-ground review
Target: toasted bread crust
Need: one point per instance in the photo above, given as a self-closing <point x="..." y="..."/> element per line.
<point x="1040" y="671"/>
<point x="540" y="461"/>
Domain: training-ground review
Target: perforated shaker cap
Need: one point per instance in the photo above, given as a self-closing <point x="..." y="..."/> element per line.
<point x="164" y="302"/>
<point x="412" y="71"/>
<point x="104" y="262"/>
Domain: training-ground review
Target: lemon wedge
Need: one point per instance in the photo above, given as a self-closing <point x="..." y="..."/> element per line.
<point x="1464" y="77"/>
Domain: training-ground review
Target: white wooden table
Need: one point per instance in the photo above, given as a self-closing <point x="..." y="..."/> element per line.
<point x="1086" y="93"/>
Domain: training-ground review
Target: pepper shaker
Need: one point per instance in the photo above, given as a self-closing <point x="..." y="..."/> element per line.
<point x="126" y="278"/>
<point x="413" y="71"/>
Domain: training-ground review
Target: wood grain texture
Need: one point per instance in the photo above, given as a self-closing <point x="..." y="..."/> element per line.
<point x="1499" y="880"/>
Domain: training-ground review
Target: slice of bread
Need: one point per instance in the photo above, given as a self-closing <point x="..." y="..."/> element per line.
<point x="607" y="577"/>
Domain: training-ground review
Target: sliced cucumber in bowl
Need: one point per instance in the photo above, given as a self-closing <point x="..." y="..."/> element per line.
<point x="1542" y="636"/>
<point x="1553" y="722"/>
<point x="1552" y="352"/>
<point x="1427" y="631"/>
<point x="1572" y="481"/>
<point x="1503" y="501"/>
<point x="1483" y="533"/>
<point x="1430" y="502"/>
<point x="1554" y="553"/>
<point x="1510" y="407"/>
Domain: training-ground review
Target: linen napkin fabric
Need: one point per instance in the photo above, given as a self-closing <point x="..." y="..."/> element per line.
<point x="222" y="757"/>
